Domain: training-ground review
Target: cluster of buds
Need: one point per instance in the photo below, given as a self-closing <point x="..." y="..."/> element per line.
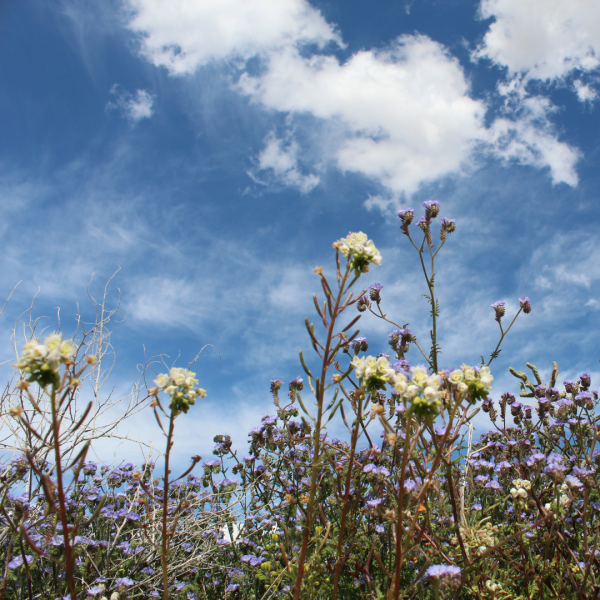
<point x="180" y="385"/>
<point x="520" y="488"/>
<point x="481" y="537"/>
<point x="361" y="249"/>
<point x="374" y="372"/>
<point x="420" y="389"/>
<point x="41" y="362"/>
<point x="500" y="307"/>
<point x="492" y="586"/>
<point x="475" y="382"/>
<point x="432" y="210"/>
<point x="399" y="340"/>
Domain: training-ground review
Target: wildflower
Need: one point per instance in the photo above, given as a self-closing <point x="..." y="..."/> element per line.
<point x="361" y="249"/>
<point x="447" y="226"/>
<point x="525" y="304"/>
<point x="374" y="292"/>
<point x="318" y="270"/>
<point x="432" y="209"/>
<point x="406" y="215"/>
<point x="374" y="372"/>
<point x="446" y="576"/>
<point x="585" y="381"/>
<point x="572" y="482"/>
<point x="363" y="303"/>
<point x="555" y="470"/>
<point x="17" y="561"/>
<point x="500" y="309"/>
<point x="179" y="384"/>
<point x="296" y="385"/>
<point x="585" y="399"/>
<point x="276" y="384"/>
<point x="41" y="362"/>
<point x="585" y="475"/>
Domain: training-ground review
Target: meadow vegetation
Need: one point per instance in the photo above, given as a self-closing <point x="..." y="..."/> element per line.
<point x="430" y="509"/>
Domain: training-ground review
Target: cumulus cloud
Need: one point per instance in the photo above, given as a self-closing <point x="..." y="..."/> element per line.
<point x="134" y="107"/>
<point x="401" y="116"/>
<point x="405" y="113"/>
<point x="546" y="39"/>
<point x="188" y="34"/>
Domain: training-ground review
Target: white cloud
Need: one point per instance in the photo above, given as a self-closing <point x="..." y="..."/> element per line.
<point x="279" y="156"/>
<point x="402" y="116"/>
<point x="135" y="107"/>
<point x="185" y="34"/>
<point x="405" y="114"/>
<point x="546" y="39"/>
<point x="584" y="92"/>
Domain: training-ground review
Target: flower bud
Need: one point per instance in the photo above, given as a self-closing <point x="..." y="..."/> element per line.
<point x="363" y="303"/>
<point x="374" y="292"/>
<point x="432" y="209"/>
<point x="500" y="309"/>
<point x="525" y="304"/>
<point x="406" y="216"/>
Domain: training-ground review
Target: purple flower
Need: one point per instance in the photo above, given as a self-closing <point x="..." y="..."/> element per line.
<point x="443" y="572"/>
<point x="585" y="380"/>
<point x="556" y="471"/>
<point x="585" y="475"/>
<point x="573" y="482"/>
<point x="500" y="309"/>
<point x="95" y="591"/>
<point x="525" y="304"/>
<point x="234" y="587"/>
<point x="374" y="292"/>
<point x="447" y="226"/>
<point x="432" y="209"/>
<point x="276" y="384"/>
<point x="360" y="344"/>
<point x="476" y="506"/>
<point x="375" y="503"/>
<point x="296" y="384"/>
<point x="503" y="466"/>
<point x="123" y="582"/>
<point x="585" y="399"/>
<point x="406" y="215"/>
<point x="493" y="485"/>
<point x="17" y="561"/>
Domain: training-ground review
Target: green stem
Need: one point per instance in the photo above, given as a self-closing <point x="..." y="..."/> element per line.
<point x="165" y="536"/>
<point x="320" y="393"/>
<point x="62" y="512"/>
<point x="338" y="563"/>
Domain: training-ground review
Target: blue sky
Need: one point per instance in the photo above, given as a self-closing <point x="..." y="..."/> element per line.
<point x="213" y="150"/>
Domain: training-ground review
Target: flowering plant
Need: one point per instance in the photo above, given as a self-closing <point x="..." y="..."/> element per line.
<point x="426" y="511"/>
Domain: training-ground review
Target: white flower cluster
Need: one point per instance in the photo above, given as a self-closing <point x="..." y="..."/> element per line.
<point x="466" y="375"/>
<point x="564" y="499"/>
<point x="42" y="361"/>
<point x="419" y="388"/>
<point x="520" y="488"/>
<point x="361" y="248"/>
<point x="180" y="385"/>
